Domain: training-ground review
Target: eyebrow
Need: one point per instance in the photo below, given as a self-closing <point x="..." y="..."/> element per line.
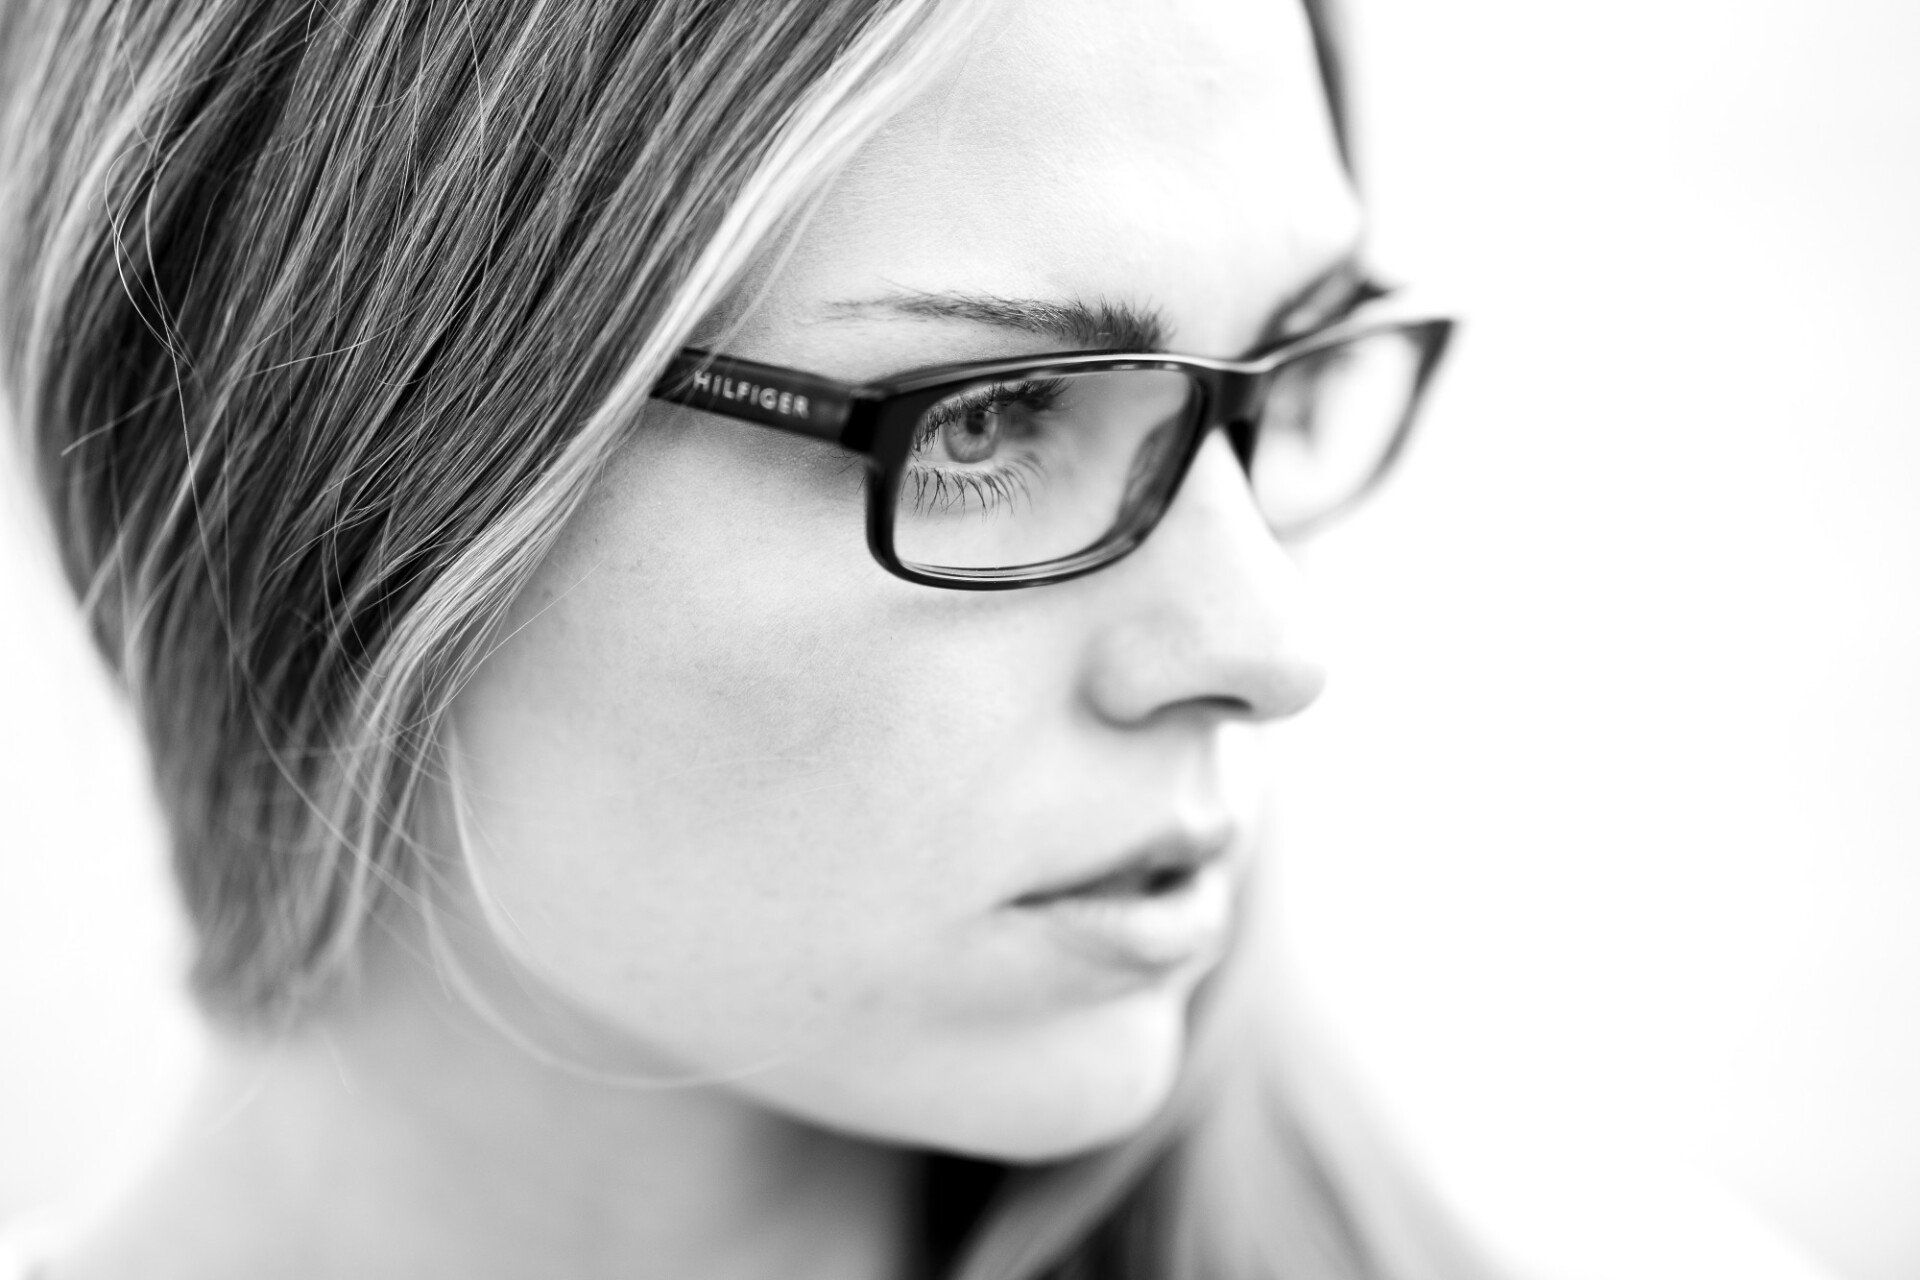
<point x="1109" y="325"/>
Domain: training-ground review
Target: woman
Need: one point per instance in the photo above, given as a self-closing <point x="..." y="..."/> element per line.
<point x="629" y="825"/>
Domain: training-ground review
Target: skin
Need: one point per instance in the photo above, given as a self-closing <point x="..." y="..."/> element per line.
<point x="761" y="805"/>
<point x="748" y="810"/>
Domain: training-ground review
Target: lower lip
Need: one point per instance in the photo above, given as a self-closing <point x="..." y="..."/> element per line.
<point x="1144" y="933"/>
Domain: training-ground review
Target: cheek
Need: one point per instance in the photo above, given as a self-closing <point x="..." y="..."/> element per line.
<point x="754" y="804"/>
<point x="686" y="688"/>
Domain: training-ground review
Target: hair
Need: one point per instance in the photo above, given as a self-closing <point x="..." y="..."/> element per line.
<point x="318" y="319"/>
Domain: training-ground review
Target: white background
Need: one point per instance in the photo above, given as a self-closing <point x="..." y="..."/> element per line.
<point x="1614" y="806"/>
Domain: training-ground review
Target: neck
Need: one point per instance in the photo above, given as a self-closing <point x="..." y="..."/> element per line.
<point x="404" y="1136"/>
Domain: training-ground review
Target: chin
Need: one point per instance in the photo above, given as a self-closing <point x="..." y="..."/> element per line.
<point x="1046" y="1093"/>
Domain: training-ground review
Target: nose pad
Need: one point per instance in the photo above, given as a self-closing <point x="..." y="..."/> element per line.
<point x="1240" y="434"/>
<point x="1239" y="411"/>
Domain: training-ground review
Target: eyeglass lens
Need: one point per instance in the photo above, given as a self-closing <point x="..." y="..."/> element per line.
<point x="1331" y="418"/>
<point x="1016" y="474"/>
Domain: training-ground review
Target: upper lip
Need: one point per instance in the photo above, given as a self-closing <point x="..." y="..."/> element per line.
<point x="1184" y="849"/>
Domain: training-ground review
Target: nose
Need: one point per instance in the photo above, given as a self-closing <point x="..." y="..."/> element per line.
<point x="1212" y="617"/>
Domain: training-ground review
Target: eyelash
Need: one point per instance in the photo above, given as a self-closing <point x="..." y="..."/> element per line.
<point x="937" y="488"/>
<point x="1034" y="394"/>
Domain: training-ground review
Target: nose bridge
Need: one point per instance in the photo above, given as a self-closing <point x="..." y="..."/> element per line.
<point x="1239" y="396"/>
<point x="1216" y="515"/>
<point x="1238" y="401"/>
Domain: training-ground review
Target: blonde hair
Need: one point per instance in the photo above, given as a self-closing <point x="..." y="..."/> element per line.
<point x="317" y="321"/>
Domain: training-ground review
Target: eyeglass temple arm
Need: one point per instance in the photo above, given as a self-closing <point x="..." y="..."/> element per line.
<point x="784" y="399"/>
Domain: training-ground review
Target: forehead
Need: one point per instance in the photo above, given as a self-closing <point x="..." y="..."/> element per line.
<point x="1176" y="154"/>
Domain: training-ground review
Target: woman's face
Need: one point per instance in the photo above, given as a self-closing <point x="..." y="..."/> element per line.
<point x="772" y="814"/>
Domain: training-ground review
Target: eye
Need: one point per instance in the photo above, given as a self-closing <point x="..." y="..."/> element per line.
<point x="971" y="427"/>
<point x="974" y="434"/>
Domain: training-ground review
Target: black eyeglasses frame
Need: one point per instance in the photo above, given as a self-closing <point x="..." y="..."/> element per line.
<point x="878" y="421"/>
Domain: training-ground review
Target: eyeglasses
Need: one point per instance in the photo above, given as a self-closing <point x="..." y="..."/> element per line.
<point x="1015" y="473"/>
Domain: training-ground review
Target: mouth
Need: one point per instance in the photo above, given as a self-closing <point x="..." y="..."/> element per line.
<point x="1164" y="865"/>
<point x="1165" y="907"/>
